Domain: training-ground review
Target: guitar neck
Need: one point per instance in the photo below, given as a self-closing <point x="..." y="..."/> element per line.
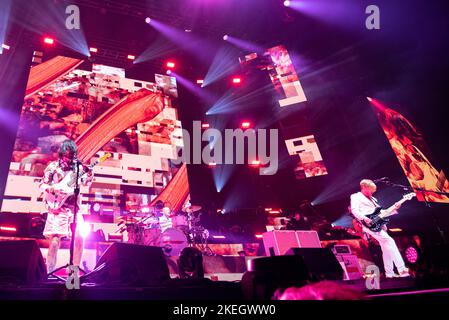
<point x="388" y="212"/>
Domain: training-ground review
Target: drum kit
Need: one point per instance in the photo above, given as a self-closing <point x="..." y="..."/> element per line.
<point x="152" y="229"/>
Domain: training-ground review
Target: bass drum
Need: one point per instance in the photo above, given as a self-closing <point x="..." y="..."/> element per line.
<point x="173" y="241"/>
<point x="135" y="234"/>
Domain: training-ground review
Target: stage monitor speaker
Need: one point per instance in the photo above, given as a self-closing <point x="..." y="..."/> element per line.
<point x="130" y="264"/>
<point x="267" y="274"/>
<point x="21" y="262"/>
<point x="277" y="243"/>
<point x="321" y="263"/>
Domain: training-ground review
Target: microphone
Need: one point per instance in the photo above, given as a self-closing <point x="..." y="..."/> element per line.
<point x="383" y="179"/>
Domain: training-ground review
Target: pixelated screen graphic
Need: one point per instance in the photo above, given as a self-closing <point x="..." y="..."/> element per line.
<point x="414" y="156"/>
<point x="282" y="73"/>
<point x="309" y="162"/>
<point x="102" y="111"/>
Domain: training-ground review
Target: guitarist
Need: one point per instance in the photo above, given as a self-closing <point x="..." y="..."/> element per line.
<point x="59" y="220"/>
<point x="362" y="204"/>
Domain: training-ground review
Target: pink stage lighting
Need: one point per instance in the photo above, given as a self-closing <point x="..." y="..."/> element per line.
<point x="92" y="49"/>
<point x="199" y="81"/>
<point x="205" y="125"/>
<point x="8" y="228"/>
<point x="258" y="236"/>
<point x="255" y="163"/>
<point x="411" y="254"/>
<point x="48" y="40"/>
<point x="131" y="57"/>
<point x="236" y="80"/>
<point x="287" y="3"/>
<point x="245" y="125"/>
<point x="369" y="99"/>
<point x="148" y="20"/>
<point x="225" y="37"/>
<point x="170" y="64"/>
<point x="5" y="46"/>
<point x="212" y="164"/>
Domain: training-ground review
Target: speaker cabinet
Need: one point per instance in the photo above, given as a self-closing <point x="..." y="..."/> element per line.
<point x="21" y="262"/>
<point x="277" y="243"/>
<point x="130" y="264"/>
<point x="321" y="263"/>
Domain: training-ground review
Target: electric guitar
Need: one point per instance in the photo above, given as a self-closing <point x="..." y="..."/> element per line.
<point x="65" y="188"/>
<point x="380" y="216"/>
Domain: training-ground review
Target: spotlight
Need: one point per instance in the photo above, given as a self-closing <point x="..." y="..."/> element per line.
<point x="170" y="64"/>
<point x="8" y="228"/>
<point x="205" y="125"/>
<point x="96" y="207"/>
<point x="258" y="236"/>
<point x="131" y="57"/>
<point x="92" y="49"/>
<point x="255" y="163"/>
<point x="199" y="81"/>
<point x="411" y="254"/>
<point x="395" y="229"/>
<point x="245" y="125"/>
<point x="168" y="72"/>
<point x="212" y="164"/>
<point x="369" y="99"/>
<point x="48" y="40"/>
<point x="5" y="46"/>
<point x="148" y="20"/>
<point x="225" y="37"/>
<point x="287" y="3"/>
<point x="236" y="80"/>
<point x="85" y="229"/>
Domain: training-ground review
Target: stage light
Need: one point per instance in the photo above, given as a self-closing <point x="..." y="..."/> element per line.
<point x="205" y="125"/>
<point x="5" y="46"/>
<point x="245" y="125"/>
<point x="148" y="20"/>
<point x="274" y="212"/>
<point x="168" y="72"/>
<point x="145" y="210"/>
<point x="91" y="49"/>
<point x="225" y="37"/>
<point x="258" y="236"/>
<point x="395" y="229"/>
<point x="170" y="64"/>
<point x="96" y="207"/>
<point x="255" y="163"/>
<point x="369" y="99"/>
<point x="85" y="229"/>
<point x="48" y="40"/>
<point x="268" y="209"/>
<point x="212" y="164"/>
<point x="411" y="254"/>
<point x="199" y="81"/>
<point x="287" y="3"/>
<point x="131" y="57"/>
<point x="8" y="228"/>
<point x="219" y="237"/>
<point x="187" y="30"/>
<point x="236" y="80"/>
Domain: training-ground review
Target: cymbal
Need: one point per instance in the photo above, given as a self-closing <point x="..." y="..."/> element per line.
<point x="129" y="219"/>
<point x="191" y="209"/>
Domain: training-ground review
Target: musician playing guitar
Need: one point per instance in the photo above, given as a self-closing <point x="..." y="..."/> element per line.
<point x="58" y="188"/>
<point x="363" y="204"/>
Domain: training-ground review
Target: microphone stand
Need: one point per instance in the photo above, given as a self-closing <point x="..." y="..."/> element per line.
<point x="73" y="225"/>
<point x="427" y="204"/>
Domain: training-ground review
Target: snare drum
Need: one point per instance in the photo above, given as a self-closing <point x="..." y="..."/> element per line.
<point x="173" y="241"/>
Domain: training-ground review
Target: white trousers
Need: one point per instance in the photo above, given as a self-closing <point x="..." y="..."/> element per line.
<point x="390" y="252"/>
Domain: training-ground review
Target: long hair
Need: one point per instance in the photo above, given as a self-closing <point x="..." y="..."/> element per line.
<point x="68" y="146"/>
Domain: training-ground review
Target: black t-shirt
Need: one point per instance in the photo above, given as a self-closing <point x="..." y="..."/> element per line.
<point x="300" y="224"/>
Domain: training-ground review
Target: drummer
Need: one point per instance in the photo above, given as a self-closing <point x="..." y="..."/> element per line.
<point x="165" y="221"/>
